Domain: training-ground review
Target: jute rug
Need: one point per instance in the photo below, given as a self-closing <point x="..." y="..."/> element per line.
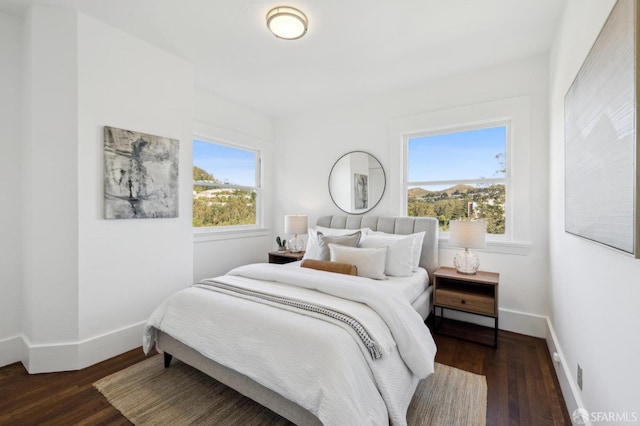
<point x="148" y="394"/>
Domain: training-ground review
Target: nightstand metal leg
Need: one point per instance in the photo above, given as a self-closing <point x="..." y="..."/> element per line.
<point x="438" y="324"/>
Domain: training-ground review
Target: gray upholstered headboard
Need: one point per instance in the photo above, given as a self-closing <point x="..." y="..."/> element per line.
<point x="394" y="225"/>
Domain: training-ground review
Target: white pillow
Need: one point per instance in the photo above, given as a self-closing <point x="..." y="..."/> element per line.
<point x="417" y="245"/>
<point x="418" y="239"/>
<point x="313" y="246"/>
<point x="370" y="262"/>
<point x="313" y="249"/>
<point x="399" y="261"/>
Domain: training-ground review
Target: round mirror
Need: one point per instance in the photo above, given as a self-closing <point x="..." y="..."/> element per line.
<point x="357" y="182"/>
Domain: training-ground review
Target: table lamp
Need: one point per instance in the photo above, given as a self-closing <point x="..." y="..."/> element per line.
<point x="295" y="224"/>
<point x="468" y="235"/>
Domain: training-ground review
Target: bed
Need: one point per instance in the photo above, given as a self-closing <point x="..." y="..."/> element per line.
<point x="343" y="373"/>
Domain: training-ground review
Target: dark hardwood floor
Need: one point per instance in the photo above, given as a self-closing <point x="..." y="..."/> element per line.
<point x="66" y="398"/>
<point x="522" y="386"/>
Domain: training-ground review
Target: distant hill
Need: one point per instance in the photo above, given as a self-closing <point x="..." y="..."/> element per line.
<point x="487" y="202"/>
<point x="420" y="193"/>
<point x="416" y="193"/>
<point x="461" y="189"/>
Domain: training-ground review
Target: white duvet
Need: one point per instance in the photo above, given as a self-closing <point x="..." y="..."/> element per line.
<point x="314" y="361"/>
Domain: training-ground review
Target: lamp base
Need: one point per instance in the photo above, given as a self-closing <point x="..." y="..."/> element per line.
<point x="466" y="262"/>
<point x="295" y="244"/>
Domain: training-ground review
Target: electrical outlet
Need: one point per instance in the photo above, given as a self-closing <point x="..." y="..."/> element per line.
<point x="579" y="377"/>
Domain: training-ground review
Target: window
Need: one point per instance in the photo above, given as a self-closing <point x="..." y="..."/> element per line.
<point x="226" y="185"/>
<point x="457" y="174"/>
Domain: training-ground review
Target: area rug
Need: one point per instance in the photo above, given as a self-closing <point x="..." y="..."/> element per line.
<point x="148" y="394"/>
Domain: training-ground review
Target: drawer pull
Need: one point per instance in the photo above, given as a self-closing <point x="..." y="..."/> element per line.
<point x="463" y="301"/>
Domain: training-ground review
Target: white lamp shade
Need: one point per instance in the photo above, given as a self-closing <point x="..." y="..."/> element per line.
<point x="467" y="234"/>
<point x="295" y="224"/>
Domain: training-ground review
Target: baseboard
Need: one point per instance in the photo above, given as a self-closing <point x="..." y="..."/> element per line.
<point x="110" y="344"/>
<point x="517" y="322"/>
<point x="523" y="323"/>
<point x="11" y="350"/>
<point x="76" y="355"/>
<point x="569" y="389"/>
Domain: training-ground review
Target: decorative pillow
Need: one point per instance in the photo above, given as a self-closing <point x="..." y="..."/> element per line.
<point x="370" y="262"/>
<point x="399" y="262"/>
<point x="313" y="245"/>
<point x="417" y="245"/>
<point x="337" y="231"/>
<point x="344" y="240"/>
<point x="325" y="265"/>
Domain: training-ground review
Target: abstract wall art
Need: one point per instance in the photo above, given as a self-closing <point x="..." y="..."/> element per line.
<point x="601" y="138"/>
<point x="361" y="191"/>
<point x="141" y="175"/>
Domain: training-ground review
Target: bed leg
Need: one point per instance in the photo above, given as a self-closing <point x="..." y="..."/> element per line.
<point x="167" y="359"/>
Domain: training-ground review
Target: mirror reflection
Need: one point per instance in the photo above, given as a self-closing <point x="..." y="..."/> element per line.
<point x="357" y="182"/>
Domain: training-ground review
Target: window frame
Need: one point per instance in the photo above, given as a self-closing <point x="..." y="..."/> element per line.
<point x="521" y="195"/>
<point x="259" y="173"/>
<point x="506" y="180"/>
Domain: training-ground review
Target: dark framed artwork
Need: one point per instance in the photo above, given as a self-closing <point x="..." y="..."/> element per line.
<point x="361" y="191"/>
<point x="601" y="140"/>
<point x="141" y="175"/>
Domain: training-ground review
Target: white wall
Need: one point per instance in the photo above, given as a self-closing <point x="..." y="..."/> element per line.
<point x="594" y="290"/>
<point x="223" y="121"/>
<point x="127" y="267"/>
<point x="10" y="189"/>
<point x="50" y="185"/>
<point x="89" y="284"/>
<point x="309" y="144"/>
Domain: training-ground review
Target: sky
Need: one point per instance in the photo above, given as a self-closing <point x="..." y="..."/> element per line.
<point x="457" y="156"/>
<point x="450" y="156"/>
<point x="238" y="166"/>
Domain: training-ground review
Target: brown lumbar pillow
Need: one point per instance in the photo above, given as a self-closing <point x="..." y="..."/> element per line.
<point x="325" y="265"/>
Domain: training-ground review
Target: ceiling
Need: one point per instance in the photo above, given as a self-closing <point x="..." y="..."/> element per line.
<point x="353" y="48"/>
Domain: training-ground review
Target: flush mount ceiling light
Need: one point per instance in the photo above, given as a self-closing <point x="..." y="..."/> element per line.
<point x="287" y="23"/>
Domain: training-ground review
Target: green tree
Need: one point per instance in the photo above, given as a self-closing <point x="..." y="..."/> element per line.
<point x="202" y="174"/>
<point x="451" y="204"/>
<point x="223" y="207"/>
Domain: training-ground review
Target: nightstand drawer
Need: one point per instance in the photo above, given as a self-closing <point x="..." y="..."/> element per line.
<point x="475" y="303"/>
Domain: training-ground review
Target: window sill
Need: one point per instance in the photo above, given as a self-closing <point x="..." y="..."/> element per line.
<point x="202" y="235"/>
<point x="503" y="247"/>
